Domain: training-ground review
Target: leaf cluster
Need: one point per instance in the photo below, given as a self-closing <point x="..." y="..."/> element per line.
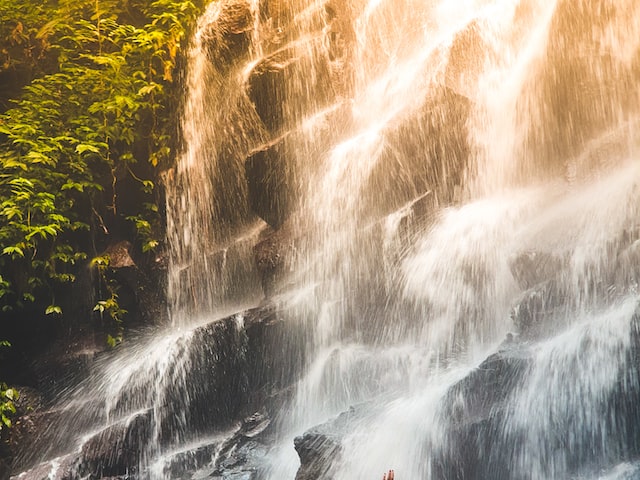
<point x="82" y="134"/>
<point x="7" y="398"/>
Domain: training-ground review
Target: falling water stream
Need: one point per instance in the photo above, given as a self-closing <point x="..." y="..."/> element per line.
<point x="446" y="181"/>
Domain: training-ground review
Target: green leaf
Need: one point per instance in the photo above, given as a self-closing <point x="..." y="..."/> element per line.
<point x="13" y="250"/>
<point x="11" y="394"/>
<point x="72" y="185"/>
<point x="150" y="245"/>
<point x="53" y="309"/>
<point x="83" y="147"/>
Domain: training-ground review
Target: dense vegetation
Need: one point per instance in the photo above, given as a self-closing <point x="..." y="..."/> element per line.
<point x="88" y="99"/>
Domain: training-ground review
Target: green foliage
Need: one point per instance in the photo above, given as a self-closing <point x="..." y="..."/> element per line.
<point x="7" y="406"/>
<point x="23" y="44"/>
<point x="81" y="134"/>
<point x="7" y="398"/>
<point x="109" y="308"/>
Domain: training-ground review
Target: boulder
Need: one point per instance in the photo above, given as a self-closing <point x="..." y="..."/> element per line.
<point x="242" y="455"/>
<point x="290" y="84"/>
<point x="222" y="371"/>
<point x="476" y="408"/>
<point x="272" y="182"/>
<point x="61" y="468"/>
<point x="117" y="450"/>
<point x="237" y="456"/>
<point x="278" y="172"/>
<point x="541" y="310"/>
<point x="275" y="355"/>
<point x="587" y="86"/>
<point x="228" y="35"/>
<point x="533" y="267"/>
<point x="141" y="291"/>
<point x="627" y="269"/>
<point x="317" y="451"/>
<point x="271" y="256"/>
<point x="425" y="152"/>
<point x="36" y="435"/>
<point x="481" y="441"/>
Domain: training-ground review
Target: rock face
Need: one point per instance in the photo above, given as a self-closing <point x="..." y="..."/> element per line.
<point x="282" y="91"/>
<point x="477" y="409"/>
<point x="226" y="370"/>
<point x="425" y="154"/>
<point x="579" y="54"/>
<point x="271" y="179"/>
<point x="320" y="447"/>
<point x="229" y="34"/>
<point x="117" y="450"/>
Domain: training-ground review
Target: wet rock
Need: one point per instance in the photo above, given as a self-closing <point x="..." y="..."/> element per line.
<point x="273" y="170"/>
<point x="477" y="407"/>
<point x="35" y="434"/>
<point x="242" y="455"/>
<point x="140" y="290"/>
<point x="239" y="455"/>
<point x="542" y="310"/>
<point x="627" y="269"/>
<point x="62" y="468"/>
<point x="275" y="354"/>
<point x="211" y="387"/>
<point x="320" y="448"/>
<point x="317" y="452"/>
<point x="117" y="450"/>
<point x="272" y="182"/>
<point x="198" y="459"/>
<point x="426" y="152"/>
<point x="39" y="472"/>
<point x="586" y="86"/>
<point x="489" y="385"/>
<point x="229" y="33"/>
<point x="466" y="60"/>
<point x="271" y="255"/>
<point x="231" y="366"/>
<point x="289" y="85"/>
<point x="483" y="442"/>
<point x="532" y="268"/>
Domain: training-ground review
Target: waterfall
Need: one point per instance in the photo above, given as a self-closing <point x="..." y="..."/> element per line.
<point x="422" y="217"/>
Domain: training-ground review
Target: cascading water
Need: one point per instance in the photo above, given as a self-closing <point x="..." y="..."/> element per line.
<point x="421" y="178"/>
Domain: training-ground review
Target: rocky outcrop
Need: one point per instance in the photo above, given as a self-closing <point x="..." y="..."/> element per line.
<point x="426" y="153"/>
<point x="117" y="450"/>
<point x="477" y="408"/>
<point x="320" y="448"/>
<point x="141" y="286"/>
<point x="227" y="369"/>
<point x="236" y="455"/>
<point x="271" y="259"/>
<point x="229" y="33"/>
<point x="271" y="178"/>
<point x="587" y="86"/>
<point x="534" y="267"/>
<point x="290" y="84"/>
